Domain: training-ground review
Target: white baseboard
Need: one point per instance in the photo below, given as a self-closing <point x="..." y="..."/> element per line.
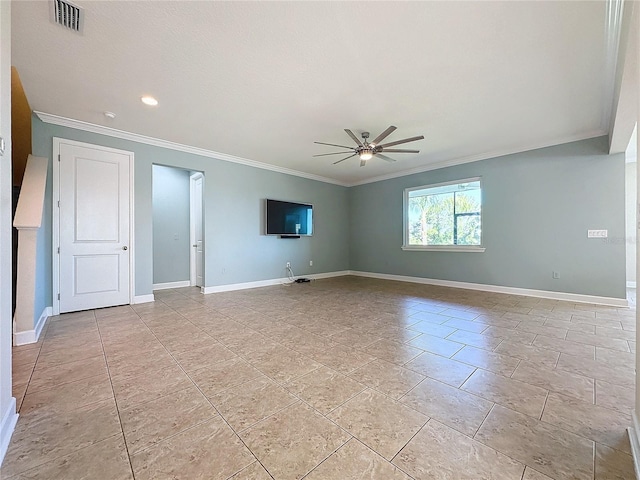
<point x="143" y="299"/>
<point x="165" y="286"/>
<point x="631" y="284"/>
<point x="9" y="419"/>
<point x="634" y="439"/>
<point x="268" y="283"/>
<point x="32" y="336"/>
<point x="567" y="297"/>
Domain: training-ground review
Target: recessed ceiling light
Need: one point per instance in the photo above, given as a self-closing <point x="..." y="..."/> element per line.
<point x="149" y="100"/>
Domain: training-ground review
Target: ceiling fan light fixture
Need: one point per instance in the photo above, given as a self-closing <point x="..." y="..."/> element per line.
<point x="366" y="155"/>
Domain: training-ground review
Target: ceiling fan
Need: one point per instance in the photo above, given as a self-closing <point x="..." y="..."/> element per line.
<point x="366" y="151"/>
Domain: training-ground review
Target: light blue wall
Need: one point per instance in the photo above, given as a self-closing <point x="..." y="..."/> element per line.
<point x="236" y="249"/>
<point x="171" y="206"/>
<point x="537" y="207"/>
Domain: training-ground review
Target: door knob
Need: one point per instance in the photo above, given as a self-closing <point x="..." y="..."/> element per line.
<point x="125" y="247"/>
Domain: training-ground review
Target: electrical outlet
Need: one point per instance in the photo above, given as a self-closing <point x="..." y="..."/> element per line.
<point x="311" y="263"/>
<point x="555" y="275"/>
<point x="288" y="264"/>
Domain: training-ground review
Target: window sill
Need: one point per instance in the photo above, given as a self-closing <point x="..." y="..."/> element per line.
<point x="443" y="248"/>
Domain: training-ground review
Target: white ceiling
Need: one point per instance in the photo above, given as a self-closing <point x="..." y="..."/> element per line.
<point x="264" y="80"/>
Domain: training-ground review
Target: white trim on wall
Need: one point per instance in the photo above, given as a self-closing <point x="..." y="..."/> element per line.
<point x="143" y="299"/>
<point x="135" y="137"/>
<point x="8" y="424"/>
<point x="32" y="336"/>
<point x="527" y="292"/>
<point x="634" y="439"/>
<point x="268" y="283"/>
<point x="167" y="285"/>
<point x="631" y="284"/>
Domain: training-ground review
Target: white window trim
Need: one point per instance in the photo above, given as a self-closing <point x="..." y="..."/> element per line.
<point x="437" y="248"/>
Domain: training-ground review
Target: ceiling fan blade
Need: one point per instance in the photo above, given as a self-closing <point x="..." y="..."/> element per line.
<point x="355" y="139"/>
<point x="398" y="142"/>
<point x="384" y="157"/>
<point x="399" y="150"/>
<point x="363" y="163"/>
<point x="346" y="158"/>
<point x="334" y="153"/>
<point x="383" y="135"/>
<point x="333" y="145"/>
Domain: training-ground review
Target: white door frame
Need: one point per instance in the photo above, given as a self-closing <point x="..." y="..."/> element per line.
<point x="192" y="227"/>
<point x="56" y="217"/>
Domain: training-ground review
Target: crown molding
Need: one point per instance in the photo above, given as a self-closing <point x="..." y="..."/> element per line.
<point x="157" y="142"/>
<point x="482" y="156"/>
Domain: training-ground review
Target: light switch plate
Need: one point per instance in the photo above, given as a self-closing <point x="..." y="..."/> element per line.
<point x="597" y="233"/>
<point x="1" y="146"/>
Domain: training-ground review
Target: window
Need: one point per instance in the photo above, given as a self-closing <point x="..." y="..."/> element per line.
<point x="446" y="216"/>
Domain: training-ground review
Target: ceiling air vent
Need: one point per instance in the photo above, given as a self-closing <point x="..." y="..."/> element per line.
<point x="67" y="15"/>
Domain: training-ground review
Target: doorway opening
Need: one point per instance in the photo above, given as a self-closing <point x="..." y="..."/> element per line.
<point x="631" y="210"/>
<point x="178" y="233"/>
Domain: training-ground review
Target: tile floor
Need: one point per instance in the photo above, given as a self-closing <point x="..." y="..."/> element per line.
<point x="346" y="378"/>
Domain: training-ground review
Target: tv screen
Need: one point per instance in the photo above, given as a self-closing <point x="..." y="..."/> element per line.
<point x="289" y="218"/>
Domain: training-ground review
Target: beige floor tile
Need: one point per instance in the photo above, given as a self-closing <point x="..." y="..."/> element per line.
<point x="594" y="422"/>
<point x="565" y="346"/>
<point x="435" y="329"/>
<point x="382" y="424"/>
<point x="393" y="352"/>
<point x="440" y="368"/>
<point x="459" y="313"/>
<point x="615" y="397"/>
<point x="19" y="391"/>
<point x="455" y="408"/>
<point x="354" y="461"/>
<point x="325" y="389"/>
<point x="343" y="359"/>
<point x="559" y="381"/>
<point x="478" y="340"/>
<point x="553" y="451"/>
<point x="355" y="338"/>
<point x="40" y="438"/>
<point x="105" y="459"/>
<point x="436" y="345"/>
<point x="52" y="375"/>
<point x="255" y="471"/>
<point x="390" y="379"/>
<point x="494" y="362"/>
<point x="143" y="388"/>
<point x="516" y="395"/>
<point x="293" y="441"/>
<point x="454" y="456"/>
<point x="531" y="354"/>
<point x="223" y="375"/>
<point x="246" y="404"/>
<point x="616" y="358"/>
<point x="148" y="362"/>
<point x="151" y="422"/>
<point x="203" y="357"/>
<point x="68" y="396"/>
<point x="615" y="333"/>
<point x="283" y="365"/>
<point x="21" y="374"/>
<point x="598" y="341"/>
<point x="430" y="317"/>
<point x="625" y="377"/>
<point x="546" y="330"/>
<point x="65" y="355"/>
<point x="209" y="450"/>
<point x="470" y="326"/>
<point x="613" y="464"/>
<point x="21" y="357"/>
<point x="531" y="474"/>
<point x="512" y="334"/>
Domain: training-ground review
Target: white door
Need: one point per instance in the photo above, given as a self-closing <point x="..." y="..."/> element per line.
<point x="93" y="217"/>
<point x="197" y="264"/>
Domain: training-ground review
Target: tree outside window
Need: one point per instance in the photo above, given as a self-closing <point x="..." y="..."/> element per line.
<point x="445" y="215"/>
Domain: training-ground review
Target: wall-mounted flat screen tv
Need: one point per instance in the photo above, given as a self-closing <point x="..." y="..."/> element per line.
<point x="288" y="218"/>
